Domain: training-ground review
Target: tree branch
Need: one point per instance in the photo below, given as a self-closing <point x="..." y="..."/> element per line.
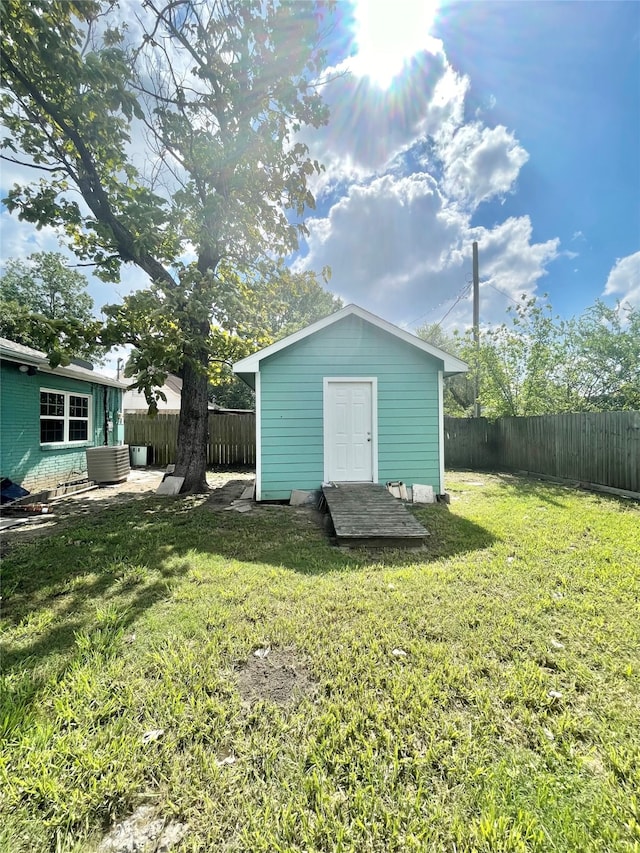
<point x="94" y="263"/>
<point x="177" y="34"/>
<point x="31" y="165"/>
<point x="91" y="187"/>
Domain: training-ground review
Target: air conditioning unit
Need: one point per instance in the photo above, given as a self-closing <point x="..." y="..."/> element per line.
<point x="108" y="464"/>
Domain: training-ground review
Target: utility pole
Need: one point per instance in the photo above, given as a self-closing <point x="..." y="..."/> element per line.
<point x="476" y="328"/>
<point x="119" y="364"/>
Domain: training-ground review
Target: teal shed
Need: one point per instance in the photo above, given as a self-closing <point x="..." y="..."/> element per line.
<point x="50" y="416"/>
<point x="350" y="398"/>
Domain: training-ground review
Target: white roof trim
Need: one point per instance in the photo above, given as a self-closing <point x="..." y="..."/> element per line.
<point x="251" y="364"/>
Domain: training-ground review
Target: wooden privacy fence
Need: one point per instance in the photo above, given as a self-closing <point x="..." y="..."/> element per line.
<point x="232" y="438"/>
<point x="600" y="448"/>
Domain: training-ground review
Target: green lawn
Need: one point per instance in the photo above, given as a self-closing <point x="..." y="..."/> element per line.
<point x="511" y="723"/>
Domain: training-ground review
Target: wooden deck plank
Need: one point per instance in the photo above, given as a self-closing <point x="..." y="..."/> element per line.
<point x="366" y="514"/>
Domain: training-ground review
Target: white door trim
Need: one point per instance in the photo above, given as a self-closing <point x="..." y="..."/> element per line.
<point x="258" y="396"/>
<point x="373" y="381"/>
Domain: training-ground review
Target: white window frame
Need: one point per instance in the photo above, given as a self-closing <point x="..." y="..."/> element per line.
<point x="66" y="417"/>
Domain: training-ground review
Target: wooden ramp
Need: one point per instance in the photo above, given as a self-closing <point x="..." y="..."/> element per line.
<point x="366" y="514"/>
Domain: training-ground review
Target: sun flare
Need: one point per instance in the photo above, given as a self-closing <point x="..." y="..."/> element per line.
<point x="388" y="34"/>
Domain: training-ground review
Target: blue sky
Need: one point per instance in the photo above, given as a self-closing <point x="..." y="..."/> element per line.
<point x="515" y="124"/>
<point x="566" y="78"/>
<point x="534" y="151"/>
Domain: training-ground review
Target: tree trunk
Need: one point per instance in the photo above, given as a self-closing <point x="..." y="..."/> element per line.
<point x="193" y="431"/>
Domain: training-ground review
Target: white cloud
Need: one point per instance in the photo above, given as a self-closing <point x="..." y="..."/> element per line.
<point x="480" y="162"/>
<point x="20" y="239"/>
<point x="397" y="247"/>
<point x="369" y="126"/>
<point x="624" y="280"/>
<point x="488" y="104"/>
<point x="386" y="241"/>
<point x="400" y="244"/>
<point x="510" y="259"/>
<point x="510" y="266"/>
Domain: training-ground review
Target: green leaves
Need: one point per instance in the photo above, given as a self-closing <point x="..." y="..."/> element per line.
<point x="540" y="364"/>
<point x="80" y="90"/>
<point x="170" y="148"/>
<point x="604" y="356"/>
<point x="44" y="304"/>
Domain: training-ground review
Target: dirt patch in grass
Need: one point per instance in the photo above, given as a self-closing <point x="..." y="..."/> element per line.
<point x="274" y="675"/>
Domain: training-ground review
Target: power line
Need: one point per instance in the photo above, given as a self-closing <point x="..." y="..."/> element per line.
<point x="442" y="302"/>
<point x="462" y="295"/>
<point x="503" y="292"/>
<point x="423" y="316"/>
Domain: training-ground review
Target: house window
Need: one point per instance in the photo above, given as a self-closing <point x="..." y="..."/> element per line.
<point x="64" y="417"/>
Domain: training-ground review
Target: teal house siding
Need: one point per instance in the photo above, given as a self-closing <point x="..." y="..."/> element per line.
<point x="291" y="416"/>
<point x="23" y="459"/>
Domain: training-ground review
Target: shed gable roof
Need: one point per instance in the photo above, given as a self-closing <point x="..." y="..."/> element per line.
<point x="251" y="364"/>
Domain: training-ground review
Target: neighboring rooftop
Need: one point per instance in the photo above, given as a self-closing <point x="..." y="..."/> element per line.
<point x="135" y="401"/>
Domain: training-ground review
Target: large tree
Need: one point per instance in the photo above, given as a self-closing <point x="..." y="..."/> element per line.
<point x="178" y="132"/>
<point x="45" y="304"/>
<point x="45" y="284"/>
<point x="519" y="362"/>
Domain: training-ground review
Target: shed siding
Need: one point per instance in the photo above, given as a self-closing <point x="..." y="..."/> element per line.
<point x="292" y="406"/>
<point x="22" y="459"/>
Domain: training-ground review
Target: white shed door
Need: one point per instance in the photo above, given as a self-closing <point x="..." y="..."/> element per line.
<point x="348" y="432"/>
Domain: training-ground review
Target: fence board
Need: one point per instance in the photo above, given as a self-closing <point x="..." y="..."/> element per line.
<point x="470" y="443"/>
<point x="589" y="447"/>
<point x="232" y="438"/>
